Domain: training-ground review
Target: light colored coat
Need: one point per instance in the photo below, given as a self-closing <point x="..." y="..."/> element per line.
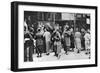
<point x="47" y="36"/>
<point x="78" y="40"/>
<point x="87" y="40"/>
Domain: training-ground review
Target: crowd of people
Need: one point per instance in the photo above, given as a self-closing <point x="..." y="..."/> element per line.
<point x="47" y="41"/>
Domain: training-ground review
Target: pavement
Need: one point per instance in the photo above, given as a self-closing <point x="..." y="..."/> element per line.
<point x="72" y="55"/>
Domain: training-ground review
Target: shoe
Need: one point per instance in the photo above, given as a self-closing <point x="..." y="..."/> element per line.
<point x="78" y="51"/>
<point x="86" y="53"/>
<point x="38" y="56"/>
<point x="30" y="60"/>
<point x="47" y="54"/>
<point x="59" y="57"/>
<point x="89" y="52"/>
<point x="54" y="54"/>
<point x="66" y="53"/>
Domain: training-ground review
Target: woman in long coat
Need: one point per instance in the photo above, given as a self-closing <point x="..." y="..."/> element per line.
<point x="72" y="39"/>
<point x="28" y="47"/>
<point x="78" y="40"/>
<point x="39" y="43"/>
<point x="47" y="36"/>
<point x="67" y="41"/>
<point x="58" y="44"/>
<point x="87" y="37"/>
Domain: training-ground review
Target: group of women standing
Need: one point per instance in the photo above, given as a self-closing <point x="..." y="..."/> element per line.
<point x="67" y="39"/>
<point x="73" y="40"/>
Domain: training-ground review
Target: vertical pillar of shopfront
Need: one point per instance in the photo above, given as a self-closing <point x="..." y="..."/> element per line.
<point x="42" y="16"/>
<point x="74" y="22"/>
<point x="54" y="17"/>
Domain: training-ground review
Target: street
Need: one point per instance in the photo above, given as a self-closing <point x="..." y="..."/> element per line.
<point x="72" y="55"/>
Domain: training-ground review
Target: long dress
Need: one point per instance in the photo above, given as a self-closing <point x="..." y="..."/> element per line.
<point x="67" y="38"/>
<point x="58" y="44"/>
<point x="28" y="50"/>
<point x="78" y="40"/>
<point x="39" y="43"/>
<point x="83" y="40"/>
<point x="67" y="41"/>
<point x="87" y="40"/>
<point x="47" y="36"/>
<point x="72" y="40"/>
